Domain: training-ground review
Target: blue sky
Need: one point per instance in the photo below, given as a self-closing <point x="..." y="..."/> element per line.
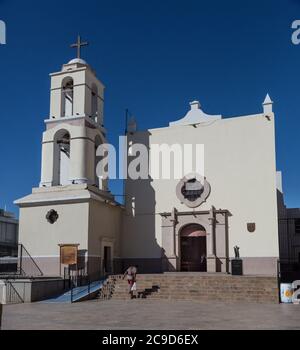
<point x="154" y="57"/>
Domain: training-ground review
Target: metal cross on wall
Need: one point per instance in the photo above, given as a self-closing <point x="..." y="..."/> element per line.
<point x="78" y="45"/>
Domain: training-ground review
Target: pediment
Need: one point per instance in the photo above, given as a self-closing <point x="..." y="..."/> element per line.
<point x="195" y="116"/>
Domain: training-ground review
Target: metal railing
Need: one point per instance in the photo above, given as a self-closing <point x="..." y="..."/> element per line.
<point x="26" y="264"/>
<point x="79" y="278"/>
<point x="75" y="294"/>
<point x="12" y="296"/>
<point x="22" y="265"/>
<point x="75" y="277"/>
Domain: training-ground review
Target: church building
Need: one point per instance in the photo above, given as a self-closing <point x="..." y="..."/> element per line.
<point x="188" y="224"/>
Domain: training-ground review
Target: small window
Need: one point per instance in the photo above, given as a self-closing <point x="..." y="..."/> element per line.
<point x="297" y="226"/>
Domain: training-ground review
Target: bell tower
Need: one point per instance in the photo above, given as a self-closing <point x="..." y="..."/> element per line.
<point x="74" y="128"/>
<point x="72" y="205"/>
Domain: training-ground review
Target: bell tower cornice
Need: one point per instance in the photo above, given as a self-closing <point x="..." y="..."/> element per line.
<point x="80" y="120"/>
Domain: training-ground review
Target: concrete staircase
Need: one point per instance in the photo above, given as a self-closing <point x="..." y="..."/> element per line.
<point x="195" y="286"/>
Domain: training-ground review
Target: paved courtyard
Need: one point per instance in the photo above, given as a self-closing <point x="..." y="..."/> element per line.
<point x="150" y="314"/>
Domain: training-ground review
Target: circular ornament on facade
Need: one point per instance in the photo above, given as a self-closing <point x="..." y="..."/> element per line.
<point x="52" y="216"/>
<point x="193" y="190"/>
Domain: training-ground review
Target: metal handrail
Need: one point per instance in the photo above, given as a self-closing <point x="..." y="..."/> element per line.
<point x="31" y="259"/>
<point x="12" y="295"/>
<point x="79" y="280"/>
<point x="88" y="289"/>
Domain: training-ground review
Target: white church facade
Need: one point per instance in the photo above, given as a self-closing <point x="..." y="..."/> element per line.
<point x="236" y="207"/>
<point x="186" y="224"/>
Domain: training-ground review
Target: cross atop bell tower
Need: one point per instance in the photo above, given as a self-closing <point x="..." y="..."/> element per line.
<point x="76" y="91"/>
<point x="78" y="45"/>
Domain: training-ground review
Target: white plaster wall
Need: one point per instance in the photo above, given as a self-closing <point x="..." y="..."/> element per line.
<point x="41" y="238"/>
<point x="240" y="167"/>
<point x="105" y="225"/>
<point x="85" y="218"/>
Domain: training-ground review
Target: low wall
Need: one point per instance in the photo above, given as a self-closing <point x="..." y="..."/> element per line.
<point x="34" y="290"/>
<point x="41" y="290"/>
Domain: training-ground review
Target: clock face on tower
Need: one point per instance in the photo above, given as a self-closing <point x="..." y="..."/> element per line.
<point x="193" y="190"/>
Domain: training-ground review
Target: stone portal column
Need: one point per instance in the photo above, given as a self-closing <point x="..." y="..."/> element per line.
<point x="211" y="243"/>
<point x="169" y="241"/>
<point x="175" y="239"/>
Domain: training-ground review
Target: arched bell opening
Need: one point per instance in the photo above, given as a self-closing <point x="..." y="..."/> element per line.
<point x="67" y="97"/>
<point x="62" y="160"/>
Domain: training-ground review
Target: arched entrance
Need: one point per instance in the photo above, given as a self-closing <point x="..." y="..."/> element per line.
<point x="193" y="248"/>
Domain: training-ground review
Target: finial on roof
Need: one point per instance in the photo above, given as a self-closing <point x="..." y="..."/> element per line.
<point x="195" y="105"/>
<point x="268" y="105"/>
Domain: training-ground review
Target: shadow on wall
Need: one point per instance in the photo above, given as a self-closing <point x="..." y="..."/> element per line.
<point x="138" y="242"/>
<point x="81" y="260"/>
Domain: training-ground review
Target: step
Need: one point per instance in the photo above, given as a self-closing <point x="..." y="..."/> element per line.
<point x="200" y="287"/>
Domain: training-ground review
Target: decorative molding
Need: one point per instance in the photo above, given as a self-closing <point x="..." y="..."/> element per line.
<point x="202" y="197"/>
<point x="195" y="116"/>
<point x="52" y="216"/>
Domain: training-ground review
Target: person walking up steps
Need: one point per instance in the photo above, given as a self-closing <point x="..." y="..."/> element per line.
<point x="131" y="273"/>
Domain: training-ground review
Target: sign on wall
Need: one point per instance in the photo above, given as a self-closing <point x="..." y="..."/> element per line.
<point x="68" y="254"/>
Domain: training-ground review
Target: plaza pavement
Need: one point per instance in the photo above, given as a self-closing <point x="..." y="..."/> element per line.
<point x="150" y="314"/>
